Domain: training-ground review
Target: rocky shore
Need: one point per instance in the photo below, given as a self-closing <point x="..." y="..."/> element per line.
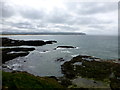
<point x="79" y="71"/>
<point x="11" y="42"/>
<point x="82" y="71"/>
<point x="92" y="68"/>
<point x="11" y="53"/>
<point x="17" y="79"/>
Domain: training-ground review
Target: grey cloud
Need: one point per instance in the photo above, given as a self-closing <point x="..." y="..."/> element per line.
<point x="20" y="25"/>
<point x="66" y="27"/>
<point x="64" y="19"/>
<point x="25" y="25"/>
<point x="92" y="7"/>
<point x="10" y="30"/>
<point x="100" y="27"/>
<point x="32" y="13"/>
<point x="58" y="16"/>
<point x="41" y="24"/>
<point x="7" y="10"/>
<point x="85" y="20"/>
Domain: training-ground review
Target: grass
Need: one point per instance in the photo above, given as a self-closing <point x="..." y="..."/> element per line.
<point x="21" y="80"/>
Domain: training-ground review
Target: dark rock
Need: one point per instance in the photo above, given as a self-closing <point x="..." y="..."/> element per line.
<point x="53" y="77"/>
<point x="60" y="59"/>
<point x="3" y="66"/>
<point x="17" y="49"/>
<point x="10" y="56"/>
<point x="65" y="81"/>
<point x="50" y="42"/>
<point x="98" y="70"/>
<point x="6" y="57"/>
<point x="11" y="42"/>
<point x="6" y="53"/>
<point x="54" y="49"/>
<point x="115" y="84"/>
<point x="95" y="82"/>
<point x="19" y="72"/>
<point x="45" y="50"/>
<point x="65" y="47"/>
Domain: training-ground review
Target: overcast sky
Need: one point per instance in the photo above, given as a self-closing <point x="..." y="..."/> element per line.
<point x="59" y="16"/>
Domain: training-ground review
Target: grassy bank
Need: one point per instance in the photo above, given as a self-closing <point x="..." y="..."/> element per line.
<point x="19" y="80"/>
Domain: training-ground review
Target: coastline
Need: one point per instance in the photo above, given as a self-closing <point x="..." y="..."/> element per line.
<point x="70" y="82"/>
<point x="80" y="81"/>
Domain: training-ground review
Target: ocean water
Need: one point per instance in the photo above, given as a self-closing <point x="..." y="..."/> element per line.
<point x="43" y="63"/>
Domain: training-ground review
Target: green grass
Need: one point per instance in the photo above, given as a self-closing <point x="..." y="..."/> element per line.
<point x="24" y="80"/>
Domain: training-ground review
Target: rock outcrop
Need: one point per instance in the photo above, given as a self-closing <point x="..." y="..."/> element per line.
<point x="11" y="42"/>
<point x="91" y="67"/>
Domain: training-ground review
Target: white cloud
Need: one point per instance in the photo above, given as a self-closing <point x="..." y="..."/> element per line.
<point x="60" y="16"/>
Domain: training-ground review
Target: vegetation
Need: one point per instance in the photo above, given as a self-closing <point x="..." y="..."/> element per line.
<point x="19" y="80"/>
<point x="98" y="70"/>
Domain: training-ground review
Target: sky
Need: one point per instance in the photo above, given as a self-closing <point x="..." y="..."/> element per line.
<point x="99" y="18"/>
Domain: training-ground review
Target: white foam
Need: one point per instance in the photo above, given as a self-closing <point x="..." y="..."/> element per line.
<point x="16" y="65"/>
<point x="44" y="52"/>
<point x="24" y="46"/>
<point x="31" y="66"/>
<point x="75" y="55"/>
<point x="77" y="48"/>
<point x="15" y="52"/>
<point x="66" y="51"/>
<point x="60" y="48"/>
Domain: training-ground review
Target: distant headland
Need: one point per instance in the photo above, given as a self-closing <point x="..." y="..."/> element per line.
<point x="42" y="33"/>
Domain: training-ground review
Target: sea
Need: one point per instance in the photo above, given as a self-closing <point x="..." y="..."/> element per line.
<point x="43" y="60"/>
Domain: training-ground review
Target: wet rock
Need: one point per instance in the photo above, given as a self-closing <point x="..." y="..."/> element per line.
<point x="50" y="42"/>
<point x="4" y="66"/>
<point x="97" y="70"/>
<point x="95" y="82"/>
<point x="65" y="47"/>
<point x="60" y="59"/>
<point x="11" y="53"/>
<point x="7" y="55"/>
<point x="45" y="50"/>
<point x="17" y="49"/>
<point x="11" y="42"/>
<point x="65" y="81"/>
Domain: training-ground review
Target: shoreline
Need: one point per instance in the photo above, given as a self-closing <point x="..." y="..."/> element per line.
<point x="71" y="69"/>
<point x="79" y="81"/>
